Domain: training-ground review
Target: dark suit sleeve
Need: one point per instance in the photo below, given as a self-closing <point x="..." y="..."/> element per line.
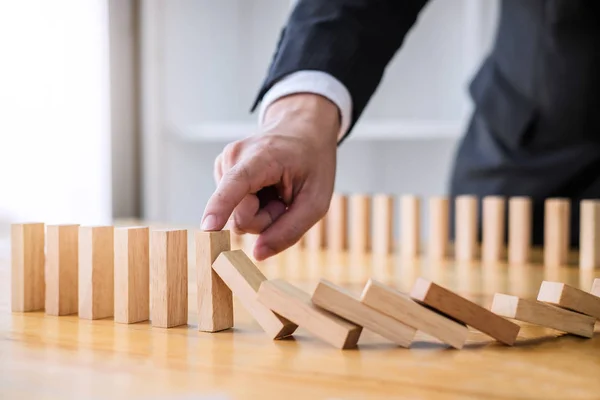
<point x="352" y="40"/>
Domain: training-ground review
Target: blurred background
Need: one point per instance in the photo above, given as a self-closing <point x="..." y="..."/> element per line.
<point x="114" y="109"/>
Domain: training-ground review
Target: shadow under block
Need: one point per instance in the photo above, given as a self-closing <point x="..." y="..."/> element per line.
<point x="410" y="230"/>
<point x="439" y="225"/>
<point x="589" y="236"/>
<point x="519" y="230"/>
<point x="402" y="308"/>
<point x="28" y="282"/>
<point x="557" y="214"/>
<point x="465" y="311"/>
<point x="215" y="300"/>
<point x="244" y="279"/>
<point x="342" y="303"/>
<point x="132" y="275"/>
<point x="168" y="278"/>
<point x="596" y="287"/>
<point x="294" y="304"/>
<point x="466" y="228"/>
<point x="494" y="228"/>
<point x="539" y="313"/>
<point x="383" y="224"/>
<point x="360" y="224"/>
<point x="337" y="223"/>
<point x="62" y="258"/>
<point x="569" y="297"/>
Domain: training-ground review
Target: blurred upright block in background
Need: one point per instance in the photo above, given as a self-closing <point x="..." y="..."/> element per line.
<point x="383" y="224"/>
<point x="410" y="220"/>
<point x="439" y="225"/>
<point x="589" y="236"/>
<point x="337" y="223"/>
<point x="519" y="230"/>
<point x="62" y="254"/>
<point x="360" y="223"/>
<point x="557" y="214"/>
<point x="494" y="229"/>
<point x="466" y="228"/>
<point x="27" y="267"/>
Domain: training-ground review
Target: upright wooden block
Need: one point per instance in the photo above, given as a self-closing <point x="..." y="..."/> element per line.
<point x="569" y="297"/>
<point x="383" y="224"/>
<point x="314" y="239"/>
<point x="557" y="214"/>
<point x="596" y="287"/>
<point x="244" y="279"/>
<point x="589" y="235"/>
<point x="28" y="284"/>
<point x="402" y="308"/>
<point x="466" y="228"/>
<point x="215" y="300"/>
<point x="519" y="230"/>
<point x="439" y="225"/>
<point x="339" y="301"/>
<point x="494" y="228"/>
<point x="410" y="231"/>
<point x="132" y="275"/>
<point x="360" y="224"/>
<point x="463" y="310"/>
<point x="337" y="223"/>
<point x="62" y="255"/>
<point x="536" y="312"/>
<point x="168" y="278"/>
<point x="294" y="304"/>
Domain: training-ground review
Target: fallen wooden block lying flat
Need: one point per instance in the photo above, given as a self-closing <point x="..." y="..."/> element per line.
<point x="463" y="310"/>
<point x="539" y="313"/>
<point x="338" y="301"/>
<point x="401" y="307"/>
<point x="569" y="297"/>
<point x="596" y="287"/>
<point x="28" y="281"/>
<point x="294" y="304"/>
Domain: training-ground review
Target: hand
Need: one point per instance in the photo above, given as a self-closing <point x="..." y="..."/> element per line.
<point x="279" y="182"/>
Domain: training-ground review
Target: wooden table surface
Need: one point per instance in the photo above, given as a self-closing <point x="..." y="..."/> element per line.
<point x="43" y="357"/>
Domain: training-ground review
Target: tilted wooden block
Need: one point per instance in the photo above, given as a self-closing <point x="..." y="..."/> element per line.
<point x="466" y="228"/>
<point x="519" y="230"/>
<point x="439" y="225"/>
<point x="463" y="310"/>
<point x="557" y="214"/>
<point x="402" y="308"/>
<point x="132" y="275"/>
<point x="383" y="224"/>
<point x="569" y="297"/>
<point x="339" y="301"/>
<point x="410" y="226"/>
<point x="589" y="235"/>
<point x="360" y="224"/>
<point x="244" y="279"/>
<point x="494" y="228"/>
<point x="337" y="223"/>
<point x="539" y="313"/>
<point x="28" y="282"/>
<point x="596" y="287"/>
<point x="62" y="242"/>
<point x="215" y="300"/>
<point x="295" y="304"/>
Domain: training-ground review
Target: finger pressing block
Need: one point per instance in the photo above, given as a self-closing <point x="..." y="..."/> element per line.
<point x="569" y="297"/>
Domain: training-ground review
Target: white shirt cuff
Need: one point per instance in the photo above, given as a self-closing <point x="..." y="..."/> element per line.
<point x="316" y="82"/>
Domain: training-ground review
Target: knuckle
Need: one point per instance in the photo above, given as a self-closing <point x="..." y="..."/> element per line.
<point x="232" y="151"/>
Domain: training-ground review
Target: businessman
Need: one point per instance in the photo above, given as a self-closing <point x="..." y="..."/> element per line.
<point x="535" y="128"/>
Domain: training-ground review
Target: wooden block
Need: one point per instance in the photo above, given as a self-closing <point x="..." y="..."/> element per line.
<point x="295" y="305"/>
<point x="519" y="230"/>
<point x="536" y="312"/>
<point x="169" y="278"/>
<point x="438" y="227"/>
<point x="215" y="300"/>
<point x="28" y="282"/>
<point x="132" y="275"/>
<point x="596" y="287"/>
<point x="62" y="258"/>
<point x="466" y="228"/>
<point x="314" y="239"/>
<point x="410" y="232"/>
<point x="337" y="223"/>
<point x="463" y="310"/>
<point x="339" y="301"/>
<point x="589" y="235"/>
<point x="383" y="224"/>
<point x="494" y="228"/>
<point x="557" y="214"/>
<point x="402" y="308"/>
<point x="244" y="279"/>
<point x="360" y="224"/>
<point x="569" y="297"/>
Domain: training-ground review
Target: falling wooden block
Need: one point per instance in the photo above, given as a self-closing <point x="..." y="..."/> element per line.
<point x="339" y="301"/>
<point x="402" y="308"/>
<point x="589" y="235"/>
<point x="315" y="237"/>
<point x="410" y="232"/>
<point x="169" y="278"/>
<point x="438" y="227"/>
<point x="132" y="275"/>
<point x="360" y="225"/>
<point x="62" y="242"/>
<point x="494" y="228"/>
<point x="463" y="310"/>
<point x="519" y="230"/>
<point x="596" y="287"/>
<point x="244" y="279"/>
<point x="466" y="228"/>
<point x="295" y="305"/>
<point x="383" y="224"/>
<point x="28" y="284"/>
<point x="215" y="300"/>
<point x="569" y="297"/>
<point x="538" y="313"/>
<point x="557" y="214"/>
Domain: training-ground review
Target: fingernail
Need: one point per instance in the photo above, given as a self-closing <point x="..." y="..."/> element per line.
<point x="209" y="223"/>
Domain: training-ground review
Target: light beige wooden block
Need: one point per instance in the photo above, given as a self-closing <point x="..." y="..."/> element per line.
<point x="244" y="279"/>
<point x="589" y="235"/>
<point x="494" y="229"/>
<point x="132" y="274"/>
<point x="557" y="214"/>
<point x="519" y="230"/>
<point x="314" y="239"/>
<point x="168" y="278"/>
<point x="360" y="222"/>
<point x="466" y="228"/>
<point x="465" y="311"/>
<point x="402" y="308"/>
<point x="383" y="224"/>
<point x="410" y="229"/>
<point x="569" y="297"/>
<point x="343" y="303"/>
<point x="539" y="313"/>
<point x="337" y="223"/>
<point x="215" y="300"/>
<point x="596" y="287"/>
<point x="439" y="226"/>
<point x="294" y="304"/>
<point x="62" y="250"/>
<point x="28" y="282"/>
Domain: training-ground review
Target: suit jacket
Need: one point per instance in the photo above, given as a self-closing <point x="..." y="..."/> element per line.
<point x="535" y="129"/>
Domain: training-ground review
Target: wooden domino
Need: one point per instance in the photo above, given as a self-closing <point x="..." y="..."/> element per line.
<point x="244" y="279"/>
<point x="383" y="224"/>
<point x="360" y="225"/>
<point x="439" y="225"/>
<point x="315" y="237"/>
<point x="519" y="230"/>
<point x="62" y="242"/>
<point x="295" y="305"/>
<point x="465" y="311"/>
<point x="28" y="258"/>
<point x="556" y="231"/>
<point x="569" y="297"/>
<point x="596" y="287"/>
<point x="589" y="235"/>
<point x="410" y="232"/>
<point x="494" y="228"/>
<point x="339" y="301"/>
<point x="337" y="223"/>
<point x="539" y="313"/>
<point x="466" y="228"/>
